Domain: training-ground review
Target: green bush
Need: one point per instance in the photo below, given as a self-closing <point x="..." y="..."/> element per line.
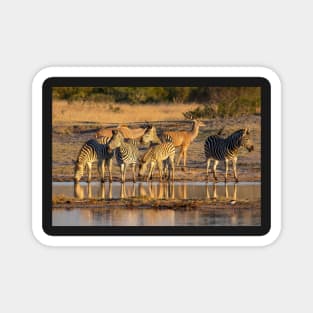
<point x="213" y="101"/>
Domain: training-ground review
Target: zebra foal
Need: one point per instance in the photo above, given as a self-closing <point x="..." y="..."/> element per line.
<point x="89" y="153"/>
<point x="155" y="156"/>
<point x="161" y="154"/>
<point x="126" y="153"/>
<point x="224" y="149"/>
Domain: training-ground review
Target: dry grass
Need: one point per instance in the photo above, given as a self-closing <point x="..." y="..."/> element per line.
<point x="102" y="113"/>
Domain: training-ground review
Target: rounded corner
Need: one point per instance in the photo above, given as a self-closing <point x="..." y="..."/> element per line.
<point x="271" y="236"/>
<point x="270" y="75"/>
<point x="41" y="236"/>
<point x="42" y="76"/>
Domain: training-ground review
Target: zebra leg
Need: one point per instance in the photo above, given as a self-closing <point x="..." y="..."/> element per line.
<point x="214" y="169"/>
<point x="165" y="168"/>
<point x="208" y="161"/>
<point x="160" y="166"/>
<point x="122" y="168"/>
<point x="226" y="169"/>
<point x="151" y="170"/>
<point x="172" y="165"/>
<point x="101" y="170"/>
<point x="89" y="169"/>
<point x="134" y="172"/>
<point x="235" y="169"/>
<point x="109" y="166"/>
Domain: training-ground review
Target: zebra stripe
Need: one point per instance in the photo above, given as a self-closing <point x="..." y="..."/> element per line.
<point x="163" y="152"/>
<point x="103" y="140"/>
<point x="126" y="153"/>
<point x="217" y="148"/>
<point x="150" y="136"/>
<point x="89" y="153"/>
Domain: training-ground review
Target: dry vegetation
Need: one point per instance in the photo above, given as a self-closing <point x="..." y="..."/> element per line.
<point x="104" y="113"/>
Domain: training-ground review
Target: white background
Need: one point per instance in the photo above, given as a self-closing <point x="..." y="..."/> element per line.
<point x="36" y="34"/>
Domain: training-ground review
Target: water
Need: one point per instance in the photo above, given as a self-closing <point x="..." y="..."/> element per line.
<point x="154" y="217"/>
<point x="119" y="216"/>
<point x="179" y="190"/>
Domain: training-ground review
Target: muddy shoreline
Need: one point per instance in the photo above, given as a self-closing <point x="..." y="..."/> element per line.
<point x="70" y="203"/>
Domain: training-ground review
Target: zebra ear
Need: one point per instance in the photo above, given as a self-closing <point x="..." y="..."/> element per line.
<point x="247" y="131"/>
<point x="114" y="131"/>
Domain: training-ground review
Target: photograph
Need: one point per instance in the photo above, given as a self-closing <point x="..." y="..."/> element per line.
<point x="156" y="156"/>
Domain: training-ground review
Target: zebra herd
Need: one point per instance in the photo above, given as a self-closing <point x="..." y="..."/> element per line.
<point x="161" y="152"/>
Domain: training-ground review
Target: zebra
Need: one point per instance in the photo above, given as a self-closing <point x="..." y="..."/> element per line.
<point x="156" y="155"/>
<point x="89" y="153"/>
<point x="106" y="139"/>
<point x="159" y="153"/>
<point x="126" y="153"/>
<point x="217" y="148"/>
<point x="103" y="139"/>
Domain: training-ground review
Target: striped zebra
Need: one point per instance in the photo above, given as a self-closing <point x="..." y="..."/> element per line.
<point x="162" y="154"/>
<point x="89" y="153"/>
<point x="155" y="156"/>
<point x="125" y="153"/>
<point x="103" y="140"/>
<point x="217" y="148"/>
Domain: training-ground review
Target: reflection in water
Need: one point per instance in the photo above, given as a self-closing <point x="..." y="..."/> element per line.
<point x="155" y="217"/>
<point x="121" y="216"/>
<point x="87" y="193"/>
<point x="164" y="190"/>
<point x="226" y="193"/>
<point x="127" y="191"/>
<point x="78" y="191"/>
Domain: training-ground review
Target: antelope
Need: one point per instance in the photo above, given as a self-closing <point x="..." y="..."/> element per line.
<point x="183" y="139"/>
<point x="128" y="133"/>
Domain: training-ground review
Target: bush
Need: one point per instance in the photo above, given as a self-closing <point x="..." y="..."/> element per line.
<point x="214" y="100"/>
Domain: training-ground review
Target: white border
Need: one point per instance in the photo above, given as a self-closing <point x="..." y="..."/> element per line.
<point x="45" y="239"/>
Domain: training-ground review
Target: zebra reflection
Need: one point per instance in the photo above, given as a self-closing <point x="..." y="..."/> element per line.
<point x="163" y="190"/>
<point x="80" y="192"/>
<point x="131" y="192"/>
<point x="227" y="196"/>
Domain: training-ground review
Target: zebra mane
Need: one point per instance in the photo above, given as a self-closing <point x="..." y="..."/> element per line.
<point x="235" y="138"/>
<point x="103" y="139"/>
<point x="237" y="134"/>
